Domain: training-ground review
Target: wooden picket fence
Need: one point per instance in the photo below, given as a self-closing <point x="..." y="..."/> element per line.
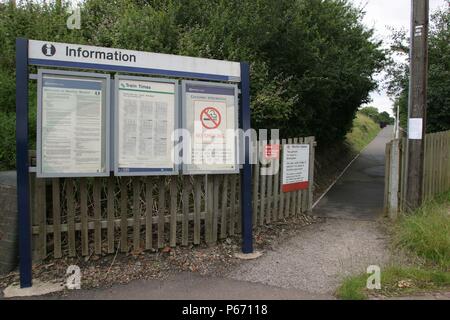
<point x="436" y="175"/>
<point x="84" y="216"/>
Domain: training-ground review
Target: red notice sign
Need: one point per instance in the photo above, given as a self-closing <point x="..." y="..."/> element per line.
<point x="295" y="167"/>
<point x="272" y="151"/>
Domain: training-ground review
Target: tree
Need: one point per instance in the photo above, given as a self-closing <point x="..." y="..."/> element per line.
<point x="438" y="104"/>
<point x="385" y="118"/>
<point x="375" y="115"/>
<point x="371" y="112"/>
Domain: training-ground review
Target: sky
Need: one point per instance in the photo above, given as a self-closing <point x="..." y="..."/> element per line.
<point x="383" y="15"/>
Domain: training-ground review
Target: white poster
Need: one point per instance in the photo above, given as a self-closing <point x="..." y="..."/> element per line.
<point x="415" y="128"/>
<point x="210" y="115"/>
<point x="71" y="130"/>
<point x="145" y="111"/>
<point x="295" y="167"/>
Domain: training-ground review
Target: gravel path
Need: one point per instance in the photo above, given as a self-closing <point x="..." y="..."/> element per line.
<point x="317" y="259"/>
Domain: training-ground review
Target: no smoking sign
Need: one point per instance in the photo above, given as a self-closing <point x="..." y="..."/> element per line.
<point x="210" y="118"/>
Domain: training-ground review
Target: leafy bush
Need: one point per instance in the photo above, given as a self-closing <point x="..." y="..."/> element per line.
<point x="8" y="140"/>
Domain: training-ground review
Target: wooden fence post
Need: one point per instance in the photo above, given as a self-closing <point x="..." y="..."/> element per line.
<point x="312" y="149"/>
<point x="394" y="179"/>
<point x="386" y="177"/>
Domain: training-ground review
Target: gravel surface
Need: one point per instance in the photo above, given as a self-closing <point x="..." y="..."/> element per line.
<point x="104" y="271"/>
<point x="319" y="256"/>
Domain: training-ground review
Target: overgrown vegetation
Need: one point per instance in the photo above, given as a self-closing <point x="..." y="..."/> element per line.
<point x="427" y="232"/>
<point x="312" y="62"/>
<point x="425" y="236"/>
<point x="363" y="131"/>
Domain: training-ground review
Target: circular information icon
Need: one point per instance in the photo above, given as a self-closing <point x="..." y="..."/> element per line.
<point x="210" y="118"/>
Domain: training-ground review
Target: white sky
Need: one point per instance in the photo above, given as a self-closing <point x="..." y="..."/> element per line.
<point x="381" y="15"/>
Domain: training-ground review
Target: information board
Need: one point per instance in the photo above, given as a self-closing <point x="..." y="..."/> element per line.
<point x="295" y="167"/>
<point x="146" y="113"/>
<point x="210" y="117"/>
<point x="72" y="135"/>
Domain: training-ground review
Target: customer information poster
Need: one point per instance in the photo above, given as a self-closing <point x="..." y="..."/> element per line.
<point x="210" y="118"/>
<point x="146" y="113"/>
<point x="72" y="137"/>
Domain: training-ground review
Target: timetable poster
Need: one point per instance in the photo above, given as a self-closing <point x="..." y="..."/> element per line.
<point x="145" y="111"/>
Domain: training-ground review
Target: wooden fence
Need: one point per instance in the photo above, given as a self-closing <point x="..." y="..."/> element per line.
<point x="84" y="216"/>
<point x="436" y="175"/>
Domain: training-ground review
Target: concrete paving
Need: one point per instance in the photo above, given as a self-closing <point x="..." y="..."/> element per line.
<point x="359" y="193"/>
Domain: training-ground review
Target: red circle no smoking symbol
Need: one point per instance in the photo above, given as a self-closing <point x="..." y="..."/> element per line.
<point x="210" y="118"/>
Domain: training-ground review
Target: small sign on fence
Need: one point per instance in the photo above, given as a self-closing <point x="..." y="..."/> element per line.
<point x="295" y="167"/>
<point x="272" y="151"/>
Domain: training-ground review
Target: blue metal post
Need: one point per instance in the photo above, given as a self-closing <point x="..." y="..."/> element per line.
<point x="246" y="172"/>
<point x="23" y="196"/>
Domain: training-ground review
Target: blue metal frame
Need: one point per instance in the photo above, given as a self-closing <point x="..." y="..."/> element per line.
<point x="106" y="67"/>
<point x="23" y="192"/>
<point x="246" y="172"/>
<point x="23" y="196"/>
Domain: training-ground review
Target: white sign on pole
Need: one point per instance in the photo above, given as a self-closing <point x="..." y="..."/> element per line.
<point x="72" y="137"/>
<point x="415" y="127"/>
<point x="295" y="167"/>
<point x="145" y="115"/>
<point x="210" y="116"/>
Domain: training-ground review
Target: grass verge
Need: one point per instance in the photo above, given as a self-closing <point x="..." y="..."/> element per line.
<point x="425" y="236"/>
<point x="363" y="131"/>
<point x="426" y="233"/>
<point x="395" y="281"/>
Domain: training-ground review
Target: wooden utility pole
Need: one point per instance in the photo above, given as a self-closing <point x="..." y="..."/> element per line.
<point x="417" y="103"/>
